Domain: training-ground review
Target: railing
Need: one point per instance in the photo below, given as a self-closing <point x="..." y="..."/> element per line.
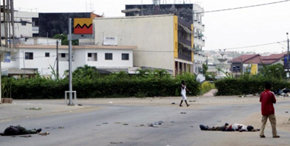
<point x="184" y="54"/>
<point x="184" y="23"/>
<point x="184" y="41"/>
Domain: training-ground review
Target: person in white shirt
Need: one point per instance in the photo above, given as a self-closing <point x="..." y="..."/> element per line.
<point x="183" y="94"/>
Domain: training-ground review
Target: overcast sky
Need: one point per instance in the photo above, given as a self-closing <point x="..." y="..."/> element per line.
<point x="223" y="30"/>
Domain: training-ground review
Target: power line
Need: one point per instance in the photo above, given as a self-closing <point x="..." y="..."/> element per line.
<point x="256" y="45"/>
<point x="243" y="7"/>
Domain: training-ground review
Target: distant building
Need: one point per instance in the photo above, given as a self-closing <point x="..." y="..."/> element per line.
<point x="189" y="19"/>
<point x="244" y="63"/>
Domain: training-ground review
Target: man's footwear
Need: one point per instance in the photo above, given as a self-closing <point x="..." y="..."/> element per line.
<point x="180" y="105"/>
<point x="277" y="136"/>
<point x="262" y="136"/>
<point x="188" y="105"/>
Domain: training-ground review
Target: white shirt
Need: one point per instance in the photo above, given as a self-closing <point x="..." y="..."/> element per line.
<point x="183" y="90"/>
<point x="238" y="127"/>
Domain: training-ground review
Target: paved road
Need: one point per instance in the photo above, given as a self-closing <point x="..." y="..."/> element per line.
<point x="122" y="125"/>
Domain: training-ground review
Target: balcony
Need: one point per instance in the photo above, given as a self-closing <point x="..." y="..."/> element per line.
<point x="199" y="41"/>
<point x="185" y="25"/>
<point x="199" y="26"/>
<point x="185" y="43"/>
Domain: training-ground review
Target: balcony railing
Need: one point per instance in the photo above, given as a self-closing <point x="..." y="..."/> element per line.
<point x="185" y="42"/>
<point x="184" y="23"/>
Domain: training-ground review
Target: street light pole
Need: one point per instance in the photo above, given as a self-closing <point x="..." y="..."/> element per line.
<point x="287" y="47"/>
<point x="288" y="57"/>
<point x="70" y="61"/>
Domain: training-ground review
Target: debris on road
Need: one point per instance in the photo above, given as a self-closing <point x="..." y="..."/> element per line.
<point x="34" y="108"/>
<point x="173" y="103"/>
<point x="44" y="133"/>
<point x="116" y="142"/>
<point x="156" y="124"/>
<point x="182" y="112"/>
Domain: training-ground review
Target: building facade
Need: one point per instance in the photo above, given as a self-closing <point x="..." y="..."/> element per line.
<point x="190" y="32"/>
<point x="156" y="38"/>
<point x="31" y="59"/>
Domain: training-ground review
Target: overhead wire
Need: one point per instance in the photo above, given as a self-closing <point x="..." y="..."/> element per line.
<point x="243" y="7"/>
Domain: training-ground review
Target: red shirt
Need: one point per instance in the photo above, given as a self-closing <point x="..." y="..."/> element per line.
<point x="267" y="98"/>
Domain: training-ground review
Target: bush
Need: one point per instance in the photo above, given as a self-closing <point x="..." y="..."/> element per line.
<point x="206" y="86"/>
<point x="153" y="84"/>
<point x="247" y="85"/>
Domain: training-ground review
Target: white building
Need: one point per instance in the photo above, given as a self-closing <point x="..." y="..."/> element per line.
<point x="42" y="59"/>
<point x="156" y="38"/>
<point x="199" y="42"/>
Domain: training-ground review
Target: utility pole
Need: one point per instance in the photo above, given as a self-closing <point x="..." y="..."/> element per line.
<point x="287" y="47"/>
<point x="287" y="69"/>
<point x="70" y="60"/>
<point x="57" y="67"/>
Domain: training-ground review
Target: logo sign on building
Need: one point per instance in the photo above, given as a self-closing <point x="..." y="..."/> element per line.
<point x="83" y="26"/>
<point x="110" y="41"/>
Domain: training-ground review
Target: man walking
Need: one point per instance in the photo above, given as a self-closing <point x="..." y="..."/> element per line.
<point x="267" y="98"/>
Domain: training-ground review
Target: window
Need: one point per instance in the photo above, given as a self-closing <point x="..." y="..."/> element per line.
<point x="23" y="23"/>
<point x="108" y="56"/>
<point x="125" y="56"/>
<point x="46" y="54"/>
<point x="89" y="54"/>
<point x="28" y="56"/>
<point x="92" y="56"/>
<point x="62" y="55"/>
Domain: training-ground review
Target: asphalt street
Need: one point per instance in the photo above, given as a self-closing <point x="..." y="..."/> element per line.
<point x="131" y="125"/>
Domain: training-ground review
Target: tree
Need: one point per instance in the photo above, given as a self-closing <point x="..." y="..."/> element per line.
<point x="273" y="71"/>
<point x="86" y="72"/>
<point x="64" y="40"/>
<point x="204" y="69"/>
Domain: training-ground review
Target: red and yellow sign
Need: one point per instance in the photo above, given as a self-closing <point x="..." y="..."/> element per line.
<point x="83" y="26"/>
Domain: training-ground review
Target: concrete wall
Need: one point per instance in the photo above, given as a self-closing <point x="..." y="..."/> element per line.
<point x="153" y="36"/>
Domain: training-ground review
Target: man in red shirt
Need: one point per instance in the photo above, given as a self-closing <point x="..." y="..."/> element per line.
<point x="267" y="98"/>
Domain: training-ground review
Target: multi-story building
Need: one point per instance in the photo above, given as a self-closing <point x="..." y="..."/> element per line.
<point x="156" y="36"/>
<point x="190" y="30"/>
<point x="32" y="59"/>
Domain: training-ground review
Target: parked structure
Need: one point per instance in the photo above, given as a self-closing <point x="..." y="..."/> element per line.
<point x="190" y="30"/>
<point x="32" y="59"/>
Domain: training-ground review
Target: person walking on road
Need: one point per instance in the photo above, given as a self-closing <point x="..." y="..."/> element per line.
<point x="183" y="93"/>
<point x="267" y="99"/>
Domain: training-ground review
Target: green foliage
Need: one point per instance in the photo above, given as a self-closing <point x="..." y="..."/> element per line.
<point x="64" y="40"/>
<point x="204" y="69"/>
<point x="275" y="71"/>
<point x="86" y="72"/>
<point x="206" y="86"/>
<point x="247" y="84"/>
<point x="89" y="84"/>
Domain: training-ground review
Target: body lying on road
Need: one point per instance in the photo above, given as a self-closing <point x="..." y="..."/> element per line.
<point x="228" y="127"/>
